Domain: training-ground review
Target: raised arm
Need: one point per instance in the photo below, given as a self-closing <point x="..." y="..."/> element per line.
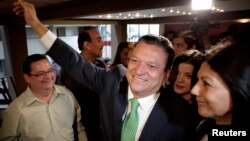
<point x="27" y="10"/>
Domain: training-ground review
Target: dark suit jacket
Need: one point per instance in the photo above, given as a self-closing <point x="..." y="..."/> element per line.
<point x="89" y="102"/>
<point x="169" y="120"/>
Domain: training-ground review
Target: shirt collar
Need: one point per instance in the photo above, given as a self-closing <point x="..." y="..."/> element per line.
<point x="146" y="102"/>
<point x="30" y="97"/>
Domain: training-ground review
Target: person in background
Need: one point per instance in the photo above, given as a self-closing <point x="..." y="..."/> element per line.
<point x="200" y="29"/>
<point x="185" y="40"/>
<point x="183" y="76"/>
<point x="122" y="54"/>
<point x="222" y="91"/>
<point x="224" y="39"/>
<point x="184" y="73"/>
<point x="133" y="92"/>
<point x="44" y="111"/>
<point x="170" y="34"/>
<point x="90" y="43"/>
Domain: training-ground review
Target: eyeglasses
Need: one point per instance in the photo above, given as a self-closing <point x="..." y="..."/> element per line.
<point x="43" y="73"/>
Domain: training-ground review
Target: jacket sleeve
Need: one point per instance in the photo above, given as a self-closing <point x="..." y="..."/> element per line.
<point x="80" y="69"/>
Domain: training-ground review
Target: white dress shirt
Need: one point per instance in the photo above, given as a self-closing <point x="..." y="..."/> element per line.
<point x="144" y="110"/>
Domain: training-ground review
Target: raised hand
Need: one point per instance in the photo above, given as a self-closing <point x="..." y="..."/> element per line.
<point x="28" y="11"/>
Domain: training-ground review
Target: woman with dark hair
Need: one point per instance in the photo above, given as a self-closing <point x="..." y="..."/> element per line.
<point x="183" y="77"/>
<point x="223" y="91"/>
<point x="184" y="73"/>
<point x="122" y="54"/>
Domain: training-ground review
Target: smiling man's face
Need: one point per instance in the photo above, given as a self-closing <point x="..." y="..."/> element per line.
<point x="146" y="69"/>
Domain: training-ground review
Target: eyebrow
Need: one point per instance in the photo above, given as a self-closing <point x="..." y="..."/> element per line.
<point x="205" y="78"/>
<point x="46" y="70"/>
<point x="189" y="73"/>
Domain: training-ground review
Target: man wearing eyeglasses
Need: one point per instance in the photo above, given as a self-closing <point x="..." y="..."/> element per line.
<point x="44" y="111"/>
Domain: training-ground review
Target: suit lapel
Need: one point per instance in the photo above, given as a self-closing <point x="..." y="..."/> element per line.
<point x="156" y="121"/>
<point x="121" y="106"/>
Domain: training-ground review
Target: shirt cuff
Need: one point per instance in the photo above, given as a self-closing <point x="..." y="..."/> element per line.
<point x="48" y="39"/>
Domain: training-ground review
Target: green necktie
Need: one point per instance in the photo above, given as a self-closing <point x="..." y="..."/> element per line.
<point x="130" y="123"/>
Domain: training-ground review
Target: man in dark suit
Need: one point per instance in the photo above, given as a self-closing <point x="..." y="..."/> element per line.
<point x="90" y="44"/>
<point x="162" y="116"/>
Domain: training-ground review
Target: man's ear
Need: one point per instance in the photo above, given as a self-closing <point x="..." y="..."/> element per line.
<point x="26" y="78"/>
<point x="166" y="76"/>
<point x="169" y="72"/>
<point x="86" y="45"/>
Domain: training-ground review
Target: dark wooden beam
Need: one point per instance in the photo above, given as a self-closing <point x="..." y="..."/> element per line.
<point x="79" y="8"/>
<point x="16" y="41"/>
<point x="230" y="15"/>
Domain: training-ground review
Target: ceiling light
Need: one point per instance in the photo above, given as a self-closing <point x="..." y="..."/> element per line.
<point x="162" y="10"/>
<point x="243" y="20"/>
<point x="201" y="4"/>
<point x="213" y="8"/>
<point x="109" y="16"/>
<point x="137" y="15"/>
<point x="171" y="10"/>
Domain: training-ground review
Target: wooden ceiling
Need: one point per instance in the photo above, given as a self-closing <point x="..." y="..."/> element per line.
<point x="58" y="9"/>
<point x="68" y="9"/>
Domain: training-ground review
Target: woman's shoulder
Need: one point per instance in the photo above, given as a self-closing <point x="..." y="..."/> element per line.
<point x="203" y="128"/>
